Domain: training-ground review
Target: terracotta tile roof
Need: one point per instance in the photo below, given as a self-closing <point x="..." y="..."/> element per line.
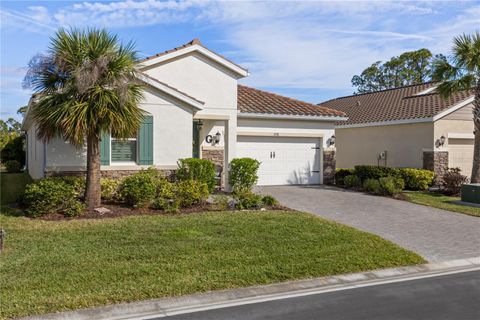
<point x="252" y="100"/>
<point x="403" y="103"/>
<point x="195" y="41"/>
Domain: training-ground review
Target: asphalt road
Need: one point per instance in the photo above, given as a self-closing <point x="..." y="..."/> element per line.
<point x="455" y="297"/>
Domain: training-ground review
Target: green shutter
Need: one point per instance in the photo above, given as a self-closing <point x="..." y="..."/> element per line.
<point x="105" y="149"/>
<point x="145" y="142"/>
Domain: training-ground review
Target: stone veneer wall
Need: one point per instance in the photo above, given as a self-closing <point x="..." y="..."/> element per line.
<point x="217" y="157"/>
<point x="437" y="161"/>
<point x="329" y="164"/>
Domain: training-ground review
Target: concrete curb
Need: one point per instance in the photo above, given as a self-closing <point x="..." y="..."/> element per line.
<point x="224" y="298"/>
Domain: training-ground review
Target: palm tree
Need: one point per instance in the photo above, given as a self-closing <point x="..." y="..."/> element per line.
<point x="463" y="74"/>
<point x="86" y="86"/>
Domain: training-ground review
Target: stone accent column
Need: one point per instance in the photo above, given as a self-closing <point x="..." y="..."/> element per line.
<point x="217" y="156"/>
<point x="437" y="161"/>
<point x="329" y="164"/>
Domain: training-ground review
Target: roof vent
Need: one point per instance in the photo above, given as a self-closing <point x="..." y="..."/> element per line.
<point x="358" y="103"/>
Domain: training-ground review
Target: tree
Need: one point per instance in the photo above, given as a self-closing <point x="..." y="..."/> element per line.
<point x="463" y="73"/>
<point x="412" y="67"/>
<point x="86" y="86"/>
<point x="9" y="130"/>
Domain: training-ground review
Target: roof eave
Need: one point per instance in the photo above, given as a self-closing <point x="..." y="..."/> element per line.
<point x="201" y="49"/>
<point x="289" y="117"/>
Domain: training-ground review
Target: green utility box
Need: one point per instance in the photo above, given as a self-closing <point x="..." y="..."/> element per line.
<point x="471" y="193"/>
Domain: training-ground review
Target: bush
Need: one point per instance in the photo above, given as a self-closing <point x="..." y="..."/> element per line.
<point x="78" y="183"/>
<point x="452" y="181"/>
<point x="51" y="195"/>
<point x="372" y="186"/>
<point x="243" y="173"/>
<point x="14" y="150"/>
<point x="221" y="202"/>
<point x="416" y="179"/>
<point x="191" y="192"/>
<point x="74" y="208"/>
<point x="197" y="169"/>
<point x="352" y="181"/>
<point x="140" y="189"/>
<point x="340" y="175"/>
<point x="390" y="186"/>
<point x="13" y="166"/>
<point x="110" y="188"/>
<point x="166" y="197"/>
<point x="269" y="201"/>
<point x="246" y="199"/>
<point x="365" y="172"/>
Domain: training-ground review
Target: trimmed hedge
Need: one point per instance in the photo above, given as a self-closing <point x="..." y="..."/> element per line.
<point x="243" y="173"/>
<point x="414" y="179"/>
<point x="340" y="175"/>
<point x="352" y="181"/>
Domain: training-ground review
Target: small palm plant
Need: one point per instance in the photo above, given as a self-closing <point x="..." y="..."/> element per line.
<point x="463" y="73"/>
<point x="85" y="86"/>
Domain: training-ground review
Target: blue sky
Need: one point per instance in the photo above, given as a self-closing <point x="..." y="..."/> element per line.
<point x="304" y="49"/>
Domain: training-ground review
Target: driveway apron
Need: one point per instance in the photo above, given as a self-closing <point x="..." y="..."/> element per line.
<point x="435" y="234"/>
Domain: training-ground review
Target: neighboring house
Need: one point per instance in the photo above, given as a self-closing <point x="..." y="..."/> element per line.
<point x="411" y="126"/>
<point x="196" y="108"/>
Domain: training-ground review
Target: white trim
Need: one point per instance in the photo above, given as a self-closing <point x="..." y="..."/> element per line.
<point x="385" y="123"/>
<point x="200" y="116"/>
<point x="174" y="93"/>
<point x="289" y="117"/>
<point x="453" y="109"/>
<point x="198" y="48"/>
<point x="279" y="134"/>
<point x="455" y="135"/>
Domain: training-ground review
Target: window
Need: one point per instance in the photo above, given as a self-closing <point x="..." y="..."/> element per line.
<point x="124" y="150"/>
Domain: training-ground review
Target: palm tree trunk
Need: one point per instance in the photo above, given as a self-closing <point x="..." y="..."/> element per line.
<point x="92" y="189"/>
<point x="476" y="148"/>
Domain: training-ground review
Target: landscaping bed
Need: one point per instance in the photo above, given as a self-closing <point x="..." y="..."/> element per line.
<point x="50" y="266"/>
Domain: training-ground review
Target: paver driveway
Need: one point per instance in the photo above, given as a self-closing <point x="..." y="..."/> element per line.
<point x="435" y="234"/>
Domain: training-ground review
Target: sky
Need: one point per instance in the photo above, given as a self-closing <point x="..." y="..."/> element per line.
<point x="307" y="50"/>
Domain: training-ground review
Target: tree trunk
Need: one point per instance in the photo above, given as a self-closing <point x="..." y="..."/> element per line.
<point x="476" y="149"/>
<point x="92" y="188"/>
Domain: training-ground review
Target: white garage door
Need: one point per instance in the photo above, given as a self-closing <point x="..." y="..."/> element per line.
<point x="283" y="160"/>
<point x="460" y="154"/>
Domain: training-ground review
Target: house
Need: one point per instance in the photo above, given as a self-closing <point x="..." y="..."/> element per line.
<point x="411" y="126"/>
<point x="196" y="108"/>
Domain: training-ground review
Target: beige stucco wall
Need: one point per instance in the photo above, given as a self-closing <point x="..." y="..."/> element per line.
<point x="404" y="144"/>
<point x="445" y="127"/>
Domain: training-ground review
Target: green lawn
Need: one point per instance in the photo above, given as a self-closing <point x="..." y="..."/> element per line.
<point x="12" y="186"/>
<point x="440" y="201"/>
<point x="60" y="265"/>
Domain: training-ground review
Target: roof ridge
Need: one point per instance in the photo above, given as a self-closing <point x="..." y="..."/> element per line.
<point x="190" y="43"/>
<point x="284" y="97"/>
<point x="383" y="90"/>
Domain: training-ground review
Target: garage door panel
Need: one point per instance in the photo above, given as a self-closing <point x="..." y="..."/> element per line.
<point x="283" y="160"/>
<point x="460" y="155"/>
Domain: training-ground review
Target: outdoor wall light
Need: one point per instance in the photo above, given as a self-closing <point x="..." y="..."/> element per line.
<point x="216" y="139"/>
<point x="441" y="141"/>
<point x="331" y="141"/>
<point x="213" y="139"/>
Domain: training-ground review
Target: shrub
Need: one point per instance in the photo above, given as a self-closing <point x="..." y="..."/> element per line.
<point x="243" y="173"/>
<point x="340" y="175"/>
<point x="416" y="179"/>
<point x="221" y="202"/>
<point x="140" y="189"/>
<point x="372" y="186"/>
<point x="365" y="172"/>
<point x="166" y="197"/>
<point x="390" y="186"/>
<point x="78" y="183"/>
<point x="13" y="166"/>
<point x="352" y="181"/>
<point x="14" y="149"/>
<point x="197" y="169"/>
<point x="452" y="181"/>
<point x="191" y="192"/>
<point x="110" y="188"/>
<point x="269" y="201"/>
<point x="50" y="195"/>
<point x="74" y="208"/>
<point x="246" y="199"/>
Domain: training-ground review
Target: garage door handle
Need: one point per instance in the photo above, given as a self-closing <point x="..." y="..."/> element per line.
<point x="273" y="154"/>
<point x="315" y="171"/>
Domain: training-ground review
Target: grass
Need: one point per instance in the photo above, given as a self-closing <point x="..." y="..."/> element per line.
<point x="437" y="200"/>
<point x="12" y="186"/>
<point x="52" y="266"/>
